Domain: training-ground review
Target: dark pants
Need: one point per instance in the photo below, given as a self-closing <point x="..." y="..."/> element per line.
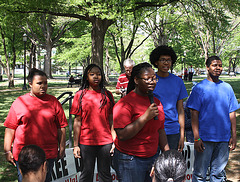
<point x="50" y="164"/>
<point x="89" y="154"/>
<point x="190" y="76"/>
<point x="173" y="141"/>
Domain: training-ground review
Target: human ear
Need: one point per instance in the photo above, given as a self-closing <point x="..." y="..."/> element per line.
<point x="30" y="84"/>
<point x="136" y="80"/>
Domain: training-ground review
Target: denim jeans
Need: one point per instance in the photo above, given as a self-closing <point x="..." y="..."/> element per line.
<point x="50" y="164"/>
<point x="173" y="141"/>
<point x="89" y="154"/>
<point x="131" y="168"/>
<point x="214" y="155"/>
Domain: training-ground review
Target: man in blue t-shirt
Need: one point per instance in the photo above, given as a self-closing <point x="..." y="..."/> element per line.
<point x="171" y="91"/>
<point x="213" y="105"/>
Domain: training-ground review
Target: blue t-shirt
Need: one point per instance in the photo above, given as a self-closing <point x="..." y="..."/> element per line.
<point x="169" y="90"/>
<point x="214" y="101"/>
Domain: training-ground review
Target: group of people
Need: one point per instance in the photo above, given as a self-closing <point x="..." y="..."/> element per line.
<point x="188" y="73"/>
<point x="130" y="134"/>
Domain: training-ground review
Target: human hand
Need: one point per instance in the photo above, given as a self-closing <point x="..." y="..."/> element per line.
<point x="76" y="152"/>
<point x="181" y="144"/>
<point x="232" y="143"/>
<point x="198" y="145"/>
<point x="61" y="153"/>
<point x="9" y="158"/>
<point x="112" y="149"/>
<point x="151" y="112"/>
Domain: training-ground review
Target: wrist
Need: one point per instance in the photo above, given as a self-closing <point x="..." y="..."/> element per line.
<point x="7" y="152"/>
<point x="198" y="139"/>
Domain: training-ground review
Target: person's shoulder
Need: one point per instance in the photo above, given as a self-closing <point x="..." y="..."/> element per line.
<point x="174" y="77"/>
<point x="122" y="75"/>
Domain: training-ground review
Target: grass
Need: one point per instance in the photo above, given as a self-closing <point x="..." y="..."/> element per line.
<point x="56" y="87"/>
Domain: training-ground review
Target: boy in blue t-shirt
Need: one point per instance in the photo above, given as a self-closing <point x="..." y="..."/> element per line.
<point x="171" y="91"/>
<point x="213" y="106"/>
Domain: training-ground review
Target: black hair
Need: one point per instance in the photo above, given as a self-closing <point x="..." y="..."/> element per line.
<point x="31" y="158"/>
<point x="85" y="85"/>
<point x="162" y="50"/>
<point x="33" y="72"/>
<point x="210" y="59"/>
<point x="170" y="164"/>
<point x="136" y="72"/>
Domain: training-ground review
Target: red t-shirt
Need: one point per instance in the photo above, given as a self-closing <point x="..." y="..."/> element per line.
<point x="95" y="126"/>
<point x="122" y="81"/>
<point x="35" y="121"/>
<point x="127" y="110"/>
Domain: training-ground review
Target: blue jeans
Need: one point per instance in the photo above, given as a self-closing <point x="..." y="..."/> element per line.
<point x="216" y="156"/>
<point x="50" y="164"/>
<point x="131" y="168"/>
<point x="173" y="141"/>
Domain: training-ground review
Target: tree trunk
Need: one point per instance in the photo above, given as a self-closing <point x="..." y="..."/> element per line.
<point x="47" y="61"/>
<point x="99" y="28"/>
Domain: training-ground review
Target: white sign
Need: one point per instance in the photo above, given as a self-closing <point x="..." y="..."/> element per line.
<point x="68" y="169"/>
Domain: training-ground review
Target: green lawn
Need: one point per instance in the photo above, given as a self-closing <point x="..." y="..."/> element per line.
<point x="8" y="172"/>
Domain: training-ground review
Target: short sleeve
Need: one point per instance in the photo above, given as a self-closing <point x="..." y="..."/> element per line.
<point x="11" y="120"/>
<point x="121" y="115"/>
<point x="233" y="102"/>
<point x="183" y="92"/>
<point x="60" y="118"/>
<point x="75" y="109"/>
<point x="194" y="100"/>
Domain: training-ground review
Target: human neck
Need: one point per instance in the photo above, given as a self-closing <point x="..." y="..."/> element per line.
<point x="137" y="91"/>
<point x="94" y="88"/>
<point x="32" y="177"/>
<point x="162" y="74"/>
<point x="211" y="78"/>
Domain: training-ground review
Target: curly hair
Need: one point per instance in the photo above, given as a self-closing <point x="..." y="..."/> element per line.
<point x="162" y="50"/>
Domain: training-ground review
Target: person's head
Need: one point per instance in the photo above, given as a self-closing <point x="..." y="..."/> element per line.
<point x="32" y="160"/>
<point x="128" y="65"/>
<point x="37" y="80"/>
<point x="93" y="77"/>
<point x="163" y="57"/>
<point x="214" y="66"/>
<point x="169" y="166"/>
<point x="143" y="79"/>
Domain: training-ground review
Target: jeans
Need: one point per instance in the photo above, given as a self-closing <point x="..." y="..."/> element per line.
<point x="173" y="141"/>
<point x="131" y="168"/>
<point x="50" y="164"/>
<point x="89" y="153"/>
<point x="216" y="156"/>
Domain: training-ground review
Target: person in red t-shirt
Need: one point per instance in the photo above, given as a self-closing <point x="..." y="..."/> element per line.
<point x="121" y="87"/>
<point x="138" y="133"/>
<point x="93" y="125"/>
<point x="36" y="118"/>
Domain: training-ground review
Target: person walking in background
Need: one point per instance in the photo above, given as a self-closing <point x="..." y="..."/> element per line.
<point x="122" y="83"/>
<point x="36" y="118"/>
<point x="171" y="91"/>
<point x="213" y="106"/>
<point x="32" y="164"/>
<point x="169" y="166"/>
<point x="93" y="125"/>
<point x="185" y="74"/>
<point x="138" y="133"/>
<point x="190" y="73"/>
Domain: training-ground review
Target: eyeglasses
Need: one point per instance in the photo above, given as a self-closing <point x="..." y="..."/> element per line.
<point x="149" y="80"/>
<point x="165" y="60"/>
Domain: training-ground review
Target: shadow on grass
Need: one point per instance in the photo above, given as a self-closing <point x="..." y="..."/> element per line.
<point x="7" y="171"/>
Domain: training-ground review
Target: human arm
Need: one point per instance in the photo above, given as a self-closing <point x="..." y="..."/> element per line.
<point x="181" y="120"/>
<point x="163" y="143"/>
<point x="76" y="132"/>
<point x="198" y="144"/>
<point x="130" y="130"/>
<point x="233" y="139"/>
<point x="8" y="139"/>
<point x="61" y="142"/>
<point x="112" y="132"/>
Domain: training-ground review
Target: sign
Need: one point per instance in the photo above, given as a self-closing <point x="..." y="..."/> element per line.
<point x="69" y="168"/>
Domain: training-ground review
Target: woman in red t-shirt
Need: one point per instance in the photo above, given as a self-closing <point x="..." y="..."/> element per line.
<point x="139" y="133"/>
<point x="93" y="125"/>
